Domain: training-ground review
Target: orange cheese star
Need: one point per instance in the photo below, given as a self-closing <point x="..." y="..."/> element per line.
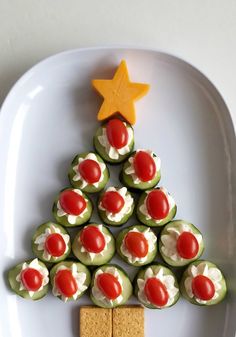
<point x="119" y="95"/>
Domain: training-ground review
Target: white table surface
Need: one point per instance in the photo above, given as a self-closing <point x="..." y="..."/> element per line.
<point x="201" y="32"/>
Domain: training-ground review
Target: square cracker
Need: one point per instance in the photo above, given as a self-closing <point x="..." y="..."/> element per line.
<point x="95" y="322"/>
<point x="128" y="321"/>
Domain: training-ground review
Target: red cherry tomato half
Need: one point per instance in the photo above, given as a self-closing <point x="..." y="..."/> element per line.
<point x="32" y="279"/>
<point x="187" y="245"/>
<point x="109" y="285"/>
<point x="137" y="244"/>
<point x="112" y="201"/>
<point x="117" y="133"/>
<point x="157" y="204"/>
<point x="92" y="239"/>
<point x="144" y="166"/>
<point x="90" y="171"/>
<point x="66" y="283"/>
<point x="72" y="202"/>
<point x="203" y="288"/>
<point x="55" y="244"/>
<point x="156" y="292"/>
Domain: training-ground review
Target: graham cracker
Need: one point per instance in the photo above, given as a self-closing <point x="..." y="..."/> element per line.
<point x="128" y="321"/>
<point x="95" y="322"/>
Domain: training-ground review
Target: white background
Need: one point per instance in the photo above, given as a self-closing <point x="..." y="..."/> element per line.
<point x="202" y="32"/>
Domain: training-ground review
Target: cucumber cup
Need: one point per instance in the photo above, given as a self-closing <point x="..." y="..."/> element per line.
<point x="203" y="283"/>
<point x="180" y="243"/>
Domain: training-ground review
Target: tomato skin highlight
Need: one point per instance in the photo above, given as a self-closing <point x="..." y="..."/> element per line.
<point x="92" y="239"/>
<point x="203" y="287"/>
<point x="137" y="244"/>
<point x="55" y="245"/>
<point x="187" y="245"/>
<point x="144" y="166"/>
<point x="90" y="171"/>
<point x="109" y="285"/>
<point x="71" y="202"/>
<point x="66" y="283"/>
<point x="32" y="279"/>
<point x="157" y="204"/>
<point x="112" y="201"/>
<point x="156" y="292"/>
<point x="117" y="133"/>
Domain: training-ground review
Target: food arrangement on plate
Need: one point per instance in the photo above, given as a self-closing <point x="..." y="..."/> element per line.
<point x="179" y="243"/>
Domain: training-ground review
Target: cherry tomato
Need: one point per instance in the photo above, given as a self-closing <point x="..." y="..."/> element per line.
<point x="55" y="244"/>
<point x="112" y="201"/>
<point x="203" y="287"/>
<point x="117" y="133"/>
<point x="90" y="171"/>
<point x="92" y="239"/>
<point x="157" y="204"/>
<point x="144" y="166"/>
<point x="109" y="285"/>
<point x="72" y="202"/>
<point x="187" y="245"/>
<point x="66" y="283"/>
<point x="137" y="244"/>
<point x="156" y="292"/>
<point x="32" y="279"/>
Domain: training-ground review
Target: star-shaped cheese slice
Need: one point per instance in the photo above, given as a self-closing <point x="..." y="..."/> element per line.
<point x="119" y="95"/>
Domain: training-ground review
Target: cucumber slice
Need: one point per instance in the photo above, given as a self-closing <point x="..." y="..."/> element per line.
<point x="127" y="288"/>
<point x="15" y="285"/>
<point x="99" y="258"/>
<point x="149" y="272"/>
<point x="78" y="220"/>
<point x="89" y="188"/>
<point x="147" y="219"/>
<point x="80" y="268"/>
<point x="52" y="228"/>
<point x="102" y="151"/>
<point x="128" y="181"/>
<point x="179" y="225"/>
<point x="151" y="254"/>
<point x="187" y="273"/>
<point x="105" y="216"/>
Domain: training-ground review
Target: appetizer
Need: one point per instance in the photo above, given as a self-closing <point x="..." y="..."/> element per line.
<point x="110" y="286"/>
<point x="180" y="243"/>
<point x="94" y="245"/>
<point x="69" y="280"/>
<point x="72" y="207"/>
<point x="114" y="141"/>
<point x="137" y="245"/>
<point x="88" y="172"/>
<point x="156" y="207"/>
<point x="142" y="170"/>
<point x="203" y="283"/>
<point x="51" y="243"/>
<point x="156" y="287"/>
<point x="115" y="206"/>
<point x="29" y="279"/>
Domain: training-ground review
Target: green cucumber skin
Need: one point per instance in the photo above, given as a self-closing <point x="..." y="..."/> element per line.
<point x="103" y="217"/>
<point x="39" y="253"/>
<point x="98" y="260"/>
<point x="176" y="223"/>
<point x="14" y="285"/>
<point x="155" y="268"/>
<point x="127" y="291"/>
<point x="68" y="264"/>
<point x="88" y="188"/>
<point x="192" y="300"/>
<point x="128" y="181"/>
<point x="62" y="220"/>
<point x="102" y="152"/>
<point x="151" y="223"/>
<point x="120" y="238"/>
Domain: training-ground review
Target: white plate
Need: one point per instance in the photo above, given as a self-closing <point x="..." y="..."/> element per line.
<point x="50" y="115"/>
